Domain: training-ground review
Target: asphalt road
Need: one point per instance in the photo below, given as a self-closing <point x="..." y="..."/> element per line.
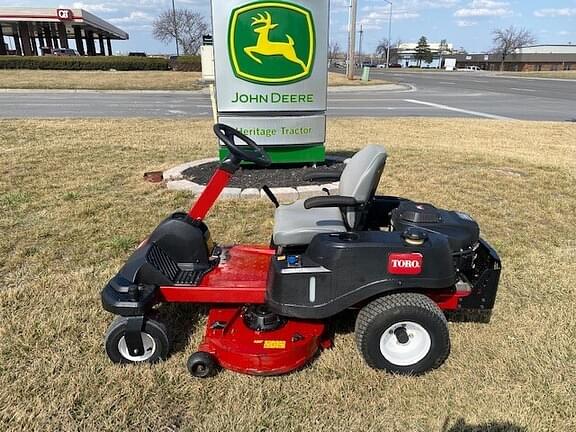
<point x="427" y="94"/>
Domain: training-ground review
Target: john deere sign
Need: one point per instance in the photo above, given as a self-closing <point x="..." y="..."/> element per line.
<point x="262" y="47"/>
<point x="271" y="57"/>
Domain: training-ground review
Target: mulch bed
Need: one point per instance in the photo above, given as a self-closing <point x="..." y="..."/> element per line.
<point x="275" y="176"/>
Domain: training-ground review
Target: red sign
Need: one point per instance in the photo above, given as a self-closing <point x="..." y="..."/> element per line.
<point x="65" y="14"/>
<point x="405" y="263"/>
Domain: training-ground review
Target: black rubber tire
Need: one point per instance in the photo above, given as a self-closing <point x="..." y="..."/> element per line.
<point x="202" y="365"/>
<point x="153" y="328"/>
<point x="384" y="312"/>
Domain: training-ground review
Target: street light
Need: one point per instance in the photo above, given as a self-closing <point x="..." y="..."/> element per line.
<point x="175" y="28"/>
<point x="351" y="39"/>
<point x="389" y="35"/>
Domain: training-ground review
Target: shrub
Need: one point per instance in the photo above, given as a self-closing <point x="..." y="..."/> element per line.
<point x="84" y="63"/>
<point x="187" y="63"/>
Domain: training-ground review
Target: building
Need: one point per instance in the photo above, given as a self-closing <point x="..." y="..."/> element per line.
<point x="527" y="59"/>
<point x="407" y="53"/>
<point x="30" y="32"/>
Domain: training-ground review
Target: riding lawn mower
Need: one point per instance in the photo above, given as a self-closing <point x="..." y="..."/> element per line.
<point x="403" y="266"/>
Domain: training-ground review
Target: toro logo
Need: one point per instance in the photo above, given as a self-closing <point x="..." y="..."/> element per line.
<point x="65" y="14"/>
<point x="405" y="263"/>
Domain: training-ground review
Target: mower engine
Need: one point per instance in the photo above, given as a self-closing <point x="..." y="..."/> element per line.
<point x="460" y="229"/>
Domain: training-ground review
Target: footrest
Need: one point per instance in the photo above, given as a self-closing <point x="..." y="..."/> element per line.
<point x="158" y="258"/>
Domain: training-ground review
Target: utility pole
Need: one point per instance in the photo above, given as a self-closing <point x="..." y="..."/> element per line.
<point x="360" y="46"/>
<point x="389" y="35"/>
<point x="175" y="28"/>
<point x="351" y="39"/>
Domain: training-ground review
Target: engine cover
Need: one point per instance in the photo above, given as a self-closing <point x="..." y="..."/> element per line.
<point x="460" y="229"/>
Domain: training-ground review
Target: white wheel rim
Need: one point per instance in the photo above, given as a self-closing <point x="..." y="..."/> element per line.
<point x="410" y="352"/>
<point x="148" y="343"/>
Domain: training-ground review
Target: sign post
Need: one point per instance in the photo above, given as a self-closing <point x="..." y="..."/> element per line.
<point x="271" y="67"/>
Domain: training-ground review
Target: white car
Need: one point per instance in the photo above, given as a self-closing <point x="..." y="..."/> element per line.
<point x="470" y="69"/>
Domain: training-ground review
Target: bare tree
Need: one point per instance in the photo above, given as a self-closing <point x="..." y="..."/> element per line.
<point x="333" y="51"/>
<point x="383" y="47"/>
<point x="186" y="26"/>
<point x="506" y="41"/>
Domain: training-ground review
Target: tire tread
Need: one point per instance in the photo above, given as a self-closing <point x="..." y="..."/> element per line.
<point x="385" y="304"/>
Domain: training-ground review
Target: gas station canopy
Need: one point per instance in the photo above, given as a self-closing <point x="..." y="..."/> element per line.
<point x="34" y="30"/>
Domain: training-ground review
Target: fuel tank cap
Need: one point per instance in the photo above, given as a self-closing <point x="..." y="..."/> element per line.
<point x="414" y="236"/>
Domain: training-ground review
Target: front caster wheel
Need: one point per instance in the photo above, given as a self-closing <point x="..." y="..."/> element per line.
<point x="154" y="341"/>
<point x="202" y="364"/>
<point x="403" y="333"/>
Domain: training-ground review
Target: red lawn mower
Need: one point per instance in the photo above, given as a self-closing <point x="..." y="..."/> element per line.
<point x="404" y="265"/>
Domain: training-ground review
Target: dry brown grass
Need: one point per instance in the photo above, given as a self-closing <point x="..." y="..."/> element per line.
<point x="337" y="79"/>
<point x="100" y="80"/>
<point x="558" y="74"/>
<point x="72" y="205"/>
<point x="135" y="80"/>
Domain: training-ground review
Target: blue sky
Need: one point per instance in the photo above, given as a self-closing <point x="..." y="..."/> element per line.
<point x="465" y="23"/>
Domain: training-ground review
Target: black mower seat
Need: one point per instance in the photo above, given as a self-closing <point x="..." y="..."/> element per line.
<point x="295" y="225"/>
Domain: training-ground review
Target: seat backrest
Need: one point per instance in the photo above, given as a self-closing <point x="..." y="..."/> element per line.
<point x="361" y="176"/>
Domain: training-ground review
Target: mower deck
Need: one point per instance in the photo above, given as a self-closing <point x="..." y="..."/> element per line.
<point x="273" y="352"/>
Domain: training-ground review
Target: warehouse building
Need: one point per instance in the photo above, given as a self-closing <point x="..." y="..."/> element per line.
<point x="533" y="58"/>
<point x="29" y="32"/>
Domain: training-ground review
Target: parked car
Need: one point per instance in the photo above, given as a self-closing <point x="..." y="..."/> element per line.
<point x="470" y="69"/>
<point x="59" y="52"/>
<point x="137" y="54"/>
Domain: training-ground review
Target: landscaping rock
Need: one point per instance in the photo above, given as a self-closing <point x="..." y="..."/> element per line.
<point x="285" y="194"/>
<point x="180" y="185"/>
<point x="231" y="193"/>
<point x="309" y="191"/>
<point x="252" y="193"/>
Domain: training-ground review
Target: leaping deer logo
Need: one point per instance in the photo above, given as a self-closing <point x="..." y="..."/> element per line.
<point x="265" y="47"/>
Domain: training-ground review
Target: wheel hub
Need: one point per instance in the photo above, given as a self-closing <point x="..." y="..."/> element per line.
<point x="147" y="342"/>
<point x="405" y="343"/>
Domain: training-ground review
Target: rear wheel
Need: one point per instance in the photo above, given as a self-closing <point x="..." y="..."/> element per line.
<point x="154" y="341"/>
<point x="403" y="333"/>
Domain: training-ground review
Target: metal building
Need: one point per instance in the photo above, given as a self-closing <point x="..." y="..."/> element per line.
<point x="33" y="31"/>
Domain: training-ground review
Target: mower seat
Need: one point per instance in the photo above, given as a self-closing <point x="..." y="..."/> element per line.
<point x="295" y="225"/>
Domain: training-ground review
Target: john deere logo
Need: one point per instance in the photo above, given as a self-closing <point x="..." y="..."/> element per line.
<point x="271" y="42"/>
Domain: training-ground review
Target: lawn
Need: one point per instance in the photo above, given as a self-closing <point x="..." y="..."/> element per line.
<point x="135" y="80"/>
<point x="100" y="80"/>
<point x="336" y="79"/>
<point x="73" y="204"/>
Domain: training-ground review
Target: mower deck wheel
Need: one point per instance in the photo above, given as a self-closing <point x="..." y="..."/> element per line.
<point x="202" y="364"/>
<point x="154" y="340"/>
<point x="404" y="333"/>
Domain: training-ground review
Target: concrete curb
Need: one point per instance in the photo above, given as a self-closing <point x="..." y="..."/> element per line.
<point x="175" y="181"/>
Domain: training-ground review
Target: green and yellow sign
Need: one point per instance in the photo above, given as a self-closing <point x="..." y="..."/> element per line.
<point x="272" y="42"/>
<point x="271" y="61"/>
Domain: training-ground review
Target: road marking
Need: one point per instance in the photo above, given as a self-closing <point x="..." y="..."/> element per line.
<point x="463" y="111"/>
<point x="373" y="108"/>
<point x="522" y="89"/>
<point x="446" y="82"/>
